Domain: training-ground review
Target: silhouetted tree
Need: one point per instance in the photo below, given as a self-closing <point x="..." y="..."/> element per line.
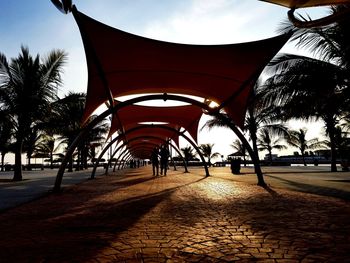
<point x="267" y="141"/>
<point x="314" y="88"/>
<point x="207" y="151"/>
<point x="298" y="140"/>
<point x="188" y="153"/>
<point x="27" y="87"/>
<point x="241" y="149"/>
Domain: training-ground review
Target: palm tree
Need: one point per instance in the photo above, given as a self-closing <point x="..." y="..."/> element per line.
<point x="188" y="154"/>
<point x="27" y="87"/>
<point x="307" y="88"/>
<point x="207" y="151"/>
<point x="342" y="144"/>
<point x="258" y="116"/>
<point x="46" y="147"/>
<point x="240" y="148"/>
<point x="268" y="142"/>
<point x="30" y="143"/>
<point x="67" y="120"/>
<point x="96" y="137"/>
<point x="298" y="140"/>
<point x="262" y="117"/>
<point x="310" y="88"/>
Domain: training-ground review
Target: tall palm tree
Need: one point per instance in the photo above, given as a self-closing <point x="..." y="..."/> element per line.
<point x="207" y="151"/>
<point x="298" y="140"/>
<point x="314" y="88"/>
<point x="262" y="117"/>
<point x="258" y="116"/>
<point x="27" y="87"/>
<point x="46" y="147"/>
<point x="188" y="153"/>
<point x="96" y="137"/>
<point x="342" y="144"/>
<point x="268" y="142"/>
<point x="30" y="143"/>
<point x="307" y="88"/>
<point x="70" y="110"/>
<point x="67" y="120"/>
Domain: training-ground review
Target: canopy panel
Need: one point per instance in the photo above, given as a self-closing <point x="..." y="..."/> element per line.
<point x="150" y="130"/>
<point x="181" y="116"/>
<point x="120" y="63"/>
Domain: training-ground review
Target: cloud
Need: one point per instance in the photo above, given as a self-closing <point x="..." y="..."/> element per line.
<point x="214" y="22"/>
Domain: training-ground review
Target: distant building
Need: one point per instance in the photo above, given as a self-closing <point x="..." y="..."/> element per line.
<point x="294" y="158"/>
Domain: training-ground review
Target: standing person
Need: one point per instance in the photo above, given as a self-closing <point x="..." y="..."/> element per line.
<point x="164" y="155"/>
<point x="155" y="161"/>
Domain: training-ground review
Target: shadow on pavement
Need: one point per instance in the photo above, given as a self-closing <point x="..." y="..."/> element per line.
<point x="319" y="190"/>
<point x="76" y="223"/>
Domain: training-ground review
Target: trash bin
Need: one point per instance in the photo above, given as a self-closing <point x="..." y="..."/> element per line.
<point x="235" y="166"/>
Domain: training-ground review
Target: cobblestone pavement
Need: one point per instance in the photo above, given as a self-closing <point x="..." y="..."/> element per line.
<point x="182" y="217"/>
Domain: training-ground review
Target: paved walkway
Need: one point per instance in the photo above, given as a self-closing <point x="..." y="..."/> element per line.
<point x="311" y="179"/>
<point x="35" y="184"/>
<point x="134" y="217"/>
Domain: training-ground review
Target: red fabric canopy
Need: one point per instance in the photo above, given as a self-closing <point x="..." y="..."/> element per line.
<point x="145" y="147"/>
<point x="150" y="143"/>
<point x="181" y="116"/>
<point x="120" y="63"/>
<point x="150" y="130"/>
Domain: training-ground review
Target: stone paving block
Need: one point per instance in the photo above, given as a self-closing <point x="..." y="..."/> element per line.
<point x="276" y="255"/>
<point x="265" y="250"/>
<point x="230" y="258"/>
<point x="260" y="255"/>
<point x="244" y="255"/>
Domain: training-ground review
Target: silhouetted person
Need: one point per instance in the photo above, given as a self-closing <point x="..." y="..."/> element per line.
<point x="155" y="161"/>
<point x="164" y="155"/>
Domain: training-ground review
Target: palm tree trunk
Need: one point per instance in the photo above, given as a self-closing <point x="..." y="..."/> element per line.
<point x="85" y="164"/>
<point x="330" y="122"/>
<point x="255" y="145"/>
<point x="29" y="162"/>
<point x="252" y="152"/>
<point x="270" y="156"/>
<point x="333" y="150"/>
<point x="2" y="161"/>
<point x="303" y="156"/>
<point x="51" y="160"/>
<point x="17" y="176"/>
<point x="244" y="158"/>
<point x="257" y="167"/>
<point x="77" y="168"/>
<point x="70" y="165"/>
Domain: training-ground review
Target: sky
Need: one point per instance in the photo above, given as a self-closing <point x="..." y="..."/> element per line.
<point x="41" y="27"/>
